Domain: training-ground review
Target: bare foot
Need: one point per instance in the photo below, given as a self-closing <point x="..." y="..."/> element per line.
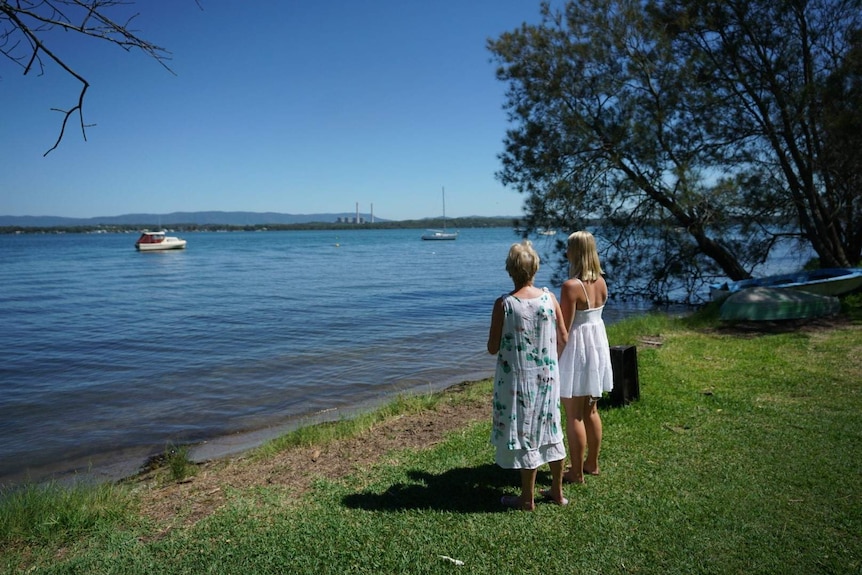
<point x="514" y="502"/>
<point x="591" y="471"/>
<point x="572" y="477"/>
<point x="546" y="495"/>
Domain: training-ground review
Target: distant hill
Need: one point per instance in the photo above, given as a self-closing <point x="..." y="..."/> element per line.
<point x="177" y="218"/>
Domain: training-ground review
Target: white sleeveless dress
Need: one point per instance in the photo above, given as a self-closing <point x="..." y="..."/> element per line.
<point x="585" y="364"/>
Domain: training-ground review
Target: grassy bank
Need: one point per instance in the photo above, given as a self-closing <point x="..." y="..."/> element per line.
<point x="743" y="455"/>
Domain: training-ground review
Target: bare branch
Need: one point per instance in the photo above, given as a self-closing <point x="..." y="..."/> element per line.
<point x="67" y="113"/>
<point x="24" y="25"/>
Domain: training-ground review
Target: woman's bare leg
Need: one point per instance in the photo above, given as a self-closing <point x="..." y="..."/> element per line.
<point x="525" y="501"/>
<point x="556" y="491"/>
<point x="576" y="436"/>
<point x="528" y="488"/>
<point x="593" y="429"/>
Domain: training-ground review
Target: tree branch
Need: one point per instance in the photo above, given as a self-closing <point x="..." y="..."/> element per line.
<point x="24" y="23"/>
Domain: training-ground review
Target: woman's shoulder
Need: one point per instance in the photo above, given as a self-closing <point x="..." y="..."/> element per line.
<point x="572" y="283"/>
<point x="575" y="286"/>
<point x="548" y="293"/>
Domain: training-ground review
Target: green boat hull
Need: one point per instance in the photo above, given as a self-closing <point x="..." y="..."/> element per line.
<point x="770" y="304"/>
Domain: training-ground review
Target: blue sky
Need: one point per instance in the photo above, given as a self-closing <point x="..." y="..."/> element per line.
<point x="277" y="105"/>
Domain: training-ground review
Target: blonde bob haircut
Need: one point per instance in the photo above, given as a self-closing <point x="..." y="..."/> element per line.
<point x="583" y="257"/>
<point x="522" y="262"/>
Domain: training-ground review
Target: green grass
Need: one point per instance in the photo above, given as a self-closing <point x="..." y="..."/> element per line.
<point x="743" y="455"/>
<point x="52" y="515"/>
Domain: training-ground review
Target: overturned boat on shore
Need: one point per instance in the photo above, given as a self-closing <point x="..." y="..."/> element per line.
<point x="825" y="281"/>
<point x="760" y="303"/>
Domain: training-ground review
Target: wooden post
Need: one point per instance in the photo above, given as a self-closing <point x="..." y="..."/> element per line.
<point x="624" y="362"/>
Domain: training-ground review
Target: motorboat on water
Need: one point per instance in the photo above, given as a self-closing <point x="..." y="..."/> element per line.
<point x="158" y="241"/>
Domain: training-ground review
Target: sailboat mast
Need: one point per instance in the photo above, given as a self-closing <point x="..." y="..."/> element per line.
<point x="444" y="208"/>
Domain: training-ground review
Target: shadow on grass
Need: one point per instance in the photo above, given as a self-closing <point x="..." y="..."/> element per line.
<point x="464" y="489"/>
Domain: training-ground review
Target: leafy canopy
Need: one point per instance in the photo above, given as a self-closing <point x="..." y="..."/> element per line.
<point x="692" y="135"/>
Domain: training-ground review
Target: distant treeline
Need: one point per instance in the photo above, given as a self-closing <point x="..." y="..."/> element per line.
<point x="453" y="224"/>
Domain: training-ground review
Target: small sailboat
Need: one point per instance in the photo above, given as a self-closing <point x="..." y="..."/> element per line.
<point x="441" y="234"/>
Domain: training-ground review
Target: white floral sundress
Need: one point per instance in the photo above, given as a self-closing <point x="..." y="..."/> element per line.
<point x="526" y="410"/>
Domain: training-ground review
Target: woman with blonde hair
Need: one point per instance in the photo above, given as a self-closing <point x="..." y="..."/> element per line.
<point x="526" y="335"/>
<point x="585" y="362"/>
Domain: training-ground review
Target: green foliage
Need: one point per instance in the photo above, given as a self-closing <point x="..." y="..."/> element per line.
<point x="697" y="135"/>
<point x="851" y="305"/>
<point x="172" y="465"/>
<point x="178" y="462"/>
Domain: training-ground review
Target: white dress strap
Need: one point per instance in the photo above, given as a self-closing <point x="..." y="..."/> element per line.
<point x="586" y="295"/>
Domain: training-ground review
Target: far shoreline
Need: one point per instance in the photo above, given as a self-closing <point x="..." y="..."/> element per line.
<point x="191" y="226"/>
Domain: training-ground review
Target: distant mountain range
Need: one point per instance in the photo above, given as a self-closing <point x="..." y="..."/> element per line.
<point x="176" y="218"/>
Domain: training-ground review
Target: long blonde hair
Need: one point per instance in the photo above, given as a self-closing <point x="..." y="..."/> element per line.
<point x="522" y="262"/>
<point x="583" y="257"/>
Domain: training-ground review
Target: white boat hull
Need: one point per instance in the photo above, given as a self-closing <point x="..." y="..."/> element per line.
<point x="440" y="236"/>
<point x="158" y="242"/>
<point x="176" y="244"/>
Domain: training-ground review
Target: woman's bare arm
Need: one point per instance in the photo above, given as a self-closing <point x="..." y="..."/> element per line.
<point x="569" y="295"/>
<point x="562" y="329"/>
<point x="495" y="334"/>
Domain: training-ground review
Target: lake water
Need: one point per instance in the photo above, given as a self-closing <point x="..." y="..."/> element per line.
<point x="109" y="355"/>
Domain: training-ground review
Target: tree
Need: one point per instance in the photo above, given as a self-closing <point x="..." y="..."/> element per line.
<point x="842" y="125"/>
<point x="25" y="26"/>
<point x="678" y="125"/>
<point x="776" y="81"/>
